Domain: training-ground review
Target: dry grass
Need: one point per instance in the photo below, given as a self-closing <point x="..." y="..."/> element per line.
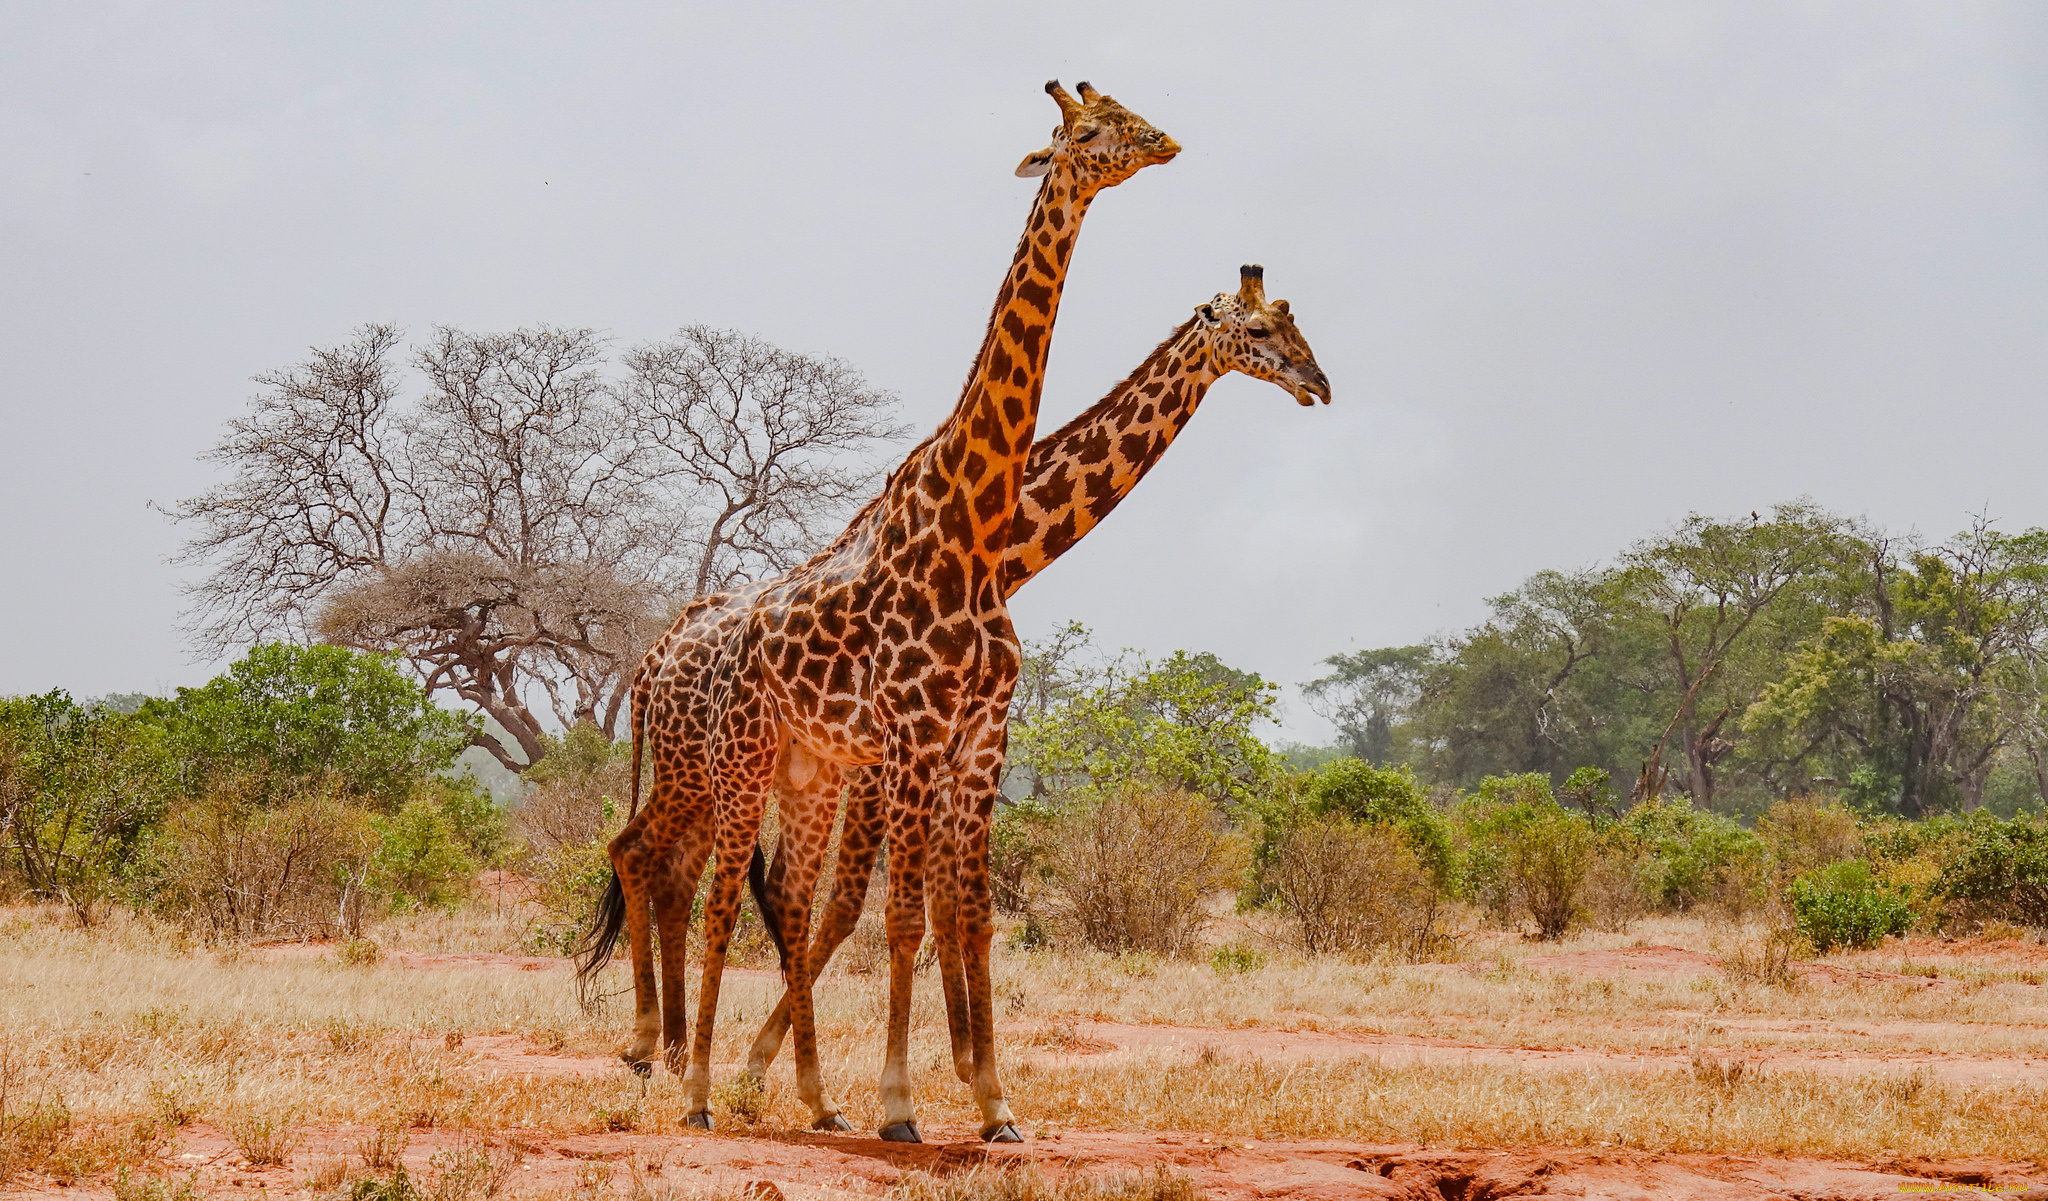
<point x="1784" y="1113"/>
<point x="127" y="1035"/>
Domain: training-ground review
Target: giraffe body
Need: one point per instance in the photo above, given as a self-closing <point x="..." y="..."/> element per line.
<point x="892" y="649"/>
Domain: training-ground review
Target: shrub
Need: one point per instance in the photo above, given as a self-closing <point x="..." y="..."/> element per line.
<point x="307" y="717"/>
<point x="1694" y="856"/>
<point x="1361" y="793"/>
<point x="472" y="816"/>
<point x="1528" y="856"/>
<point x="80" y="789"/>
<point x="1352" y="886"/>
<point x="1019" y="851"/>
<point x="420" y="859"/>
<point x="2000" y="871"/>
<point x="1805" y="833"/>
<point x="246" y="870"/>
<point x="1845" y="905"/>
<point x="1133" y="868"/>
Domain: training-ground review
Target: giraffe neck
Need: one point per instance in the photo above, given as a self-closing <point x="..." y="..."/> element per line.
<point x="1077" y="475"/>
<point x="978" y="454"/>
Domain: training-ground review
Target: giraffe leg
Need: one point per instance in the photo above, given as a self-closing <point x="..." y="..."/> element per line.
<point x="634" y="857"/>
<point x="809" y="794"/>
<point x="974" y="805"/>
<point x="945" y="899"/>
<point x="744" y="764"/>
<point x="676" y="891"/>
<point x="859" y="842"/>
<point x="908" y="785"/>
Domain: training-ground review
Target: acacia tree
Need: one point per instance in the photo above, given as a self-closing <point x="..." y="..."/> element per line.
<point x="1367" y="692"/>
<point x="521" y="533"/>
<point x="1703" y="597"/>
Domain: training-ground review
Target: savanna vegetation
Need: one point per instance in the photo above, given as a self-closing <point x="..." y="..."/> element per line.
<point x="1798" y="735"/>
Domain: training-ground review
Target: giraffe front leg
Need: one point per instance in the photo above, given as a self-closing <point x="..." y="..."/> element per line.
<point x="909" y="830"/>
<point x="974" y="805"/>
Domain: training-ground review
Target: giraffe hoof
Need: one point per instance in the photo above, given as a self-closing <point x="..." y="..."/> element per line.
<point x="836" y="1122"/>
<point x="698" y="1121"/>
<point x="640" y="1067"/>
<point x="902" y="1132"/>
<point x="1002" y="1132"/>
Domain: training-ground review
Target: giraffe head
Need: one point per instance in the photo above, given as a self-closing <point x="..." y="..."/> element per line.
<point x="1099" y="141"/>
<point x="1248" y="333"/>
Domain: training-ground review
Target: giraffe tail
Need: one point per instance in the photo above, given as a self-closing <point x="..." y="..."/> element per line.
<point x="757" y="883"/>
<point x="602" y="938"/>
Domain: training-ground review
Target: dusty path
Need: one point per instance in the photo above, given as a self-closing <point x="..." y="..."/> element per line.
<point x="817" y="1165"/>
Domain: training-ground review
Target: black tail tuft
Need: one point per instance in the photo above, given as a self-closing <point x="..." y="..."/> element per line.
<point x="757" y="883"/>
<point x="603" y="937"/>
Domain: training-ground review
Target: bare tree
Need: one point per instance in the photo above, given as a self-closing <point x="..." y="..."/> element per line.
<point x="521" y="533"/>
<point x="315" y="496"/>
<point x="766" y="438"/>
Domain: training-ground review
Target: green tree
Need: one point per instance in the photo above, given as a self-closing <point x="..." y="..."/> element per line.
<point x="1913" y="695"/>
<point x="1185" y="722"/>
<point x="1367" y="693"/>
<point x="1716" y="605"/>
<point x="80" y="788"/>
<point x="296" y="714"/>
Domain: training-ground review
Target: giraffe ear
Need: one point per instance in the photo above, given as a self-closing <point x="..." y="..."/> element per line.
<point x="1035" y="164"/>
<point x="1206" y="314"/>
<point x="1280" y="306"/>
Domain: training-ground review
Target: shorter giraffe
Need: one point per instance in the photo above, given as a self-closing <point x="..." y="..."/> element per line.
<point x="1074" y="478"/>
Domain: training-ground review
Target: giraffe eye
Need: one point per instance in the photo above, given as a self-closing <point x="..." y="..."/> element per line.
<point x="1086" y="137"/>
<point x="1258" y="331"/>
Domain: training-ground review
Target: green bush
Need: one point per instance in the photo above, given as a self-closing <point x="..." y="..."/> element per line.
<point x="1526" y="855"/>
<point x="1694" y="856"/>
<point x="421" y="859"/>
<point x="1846" y="905"/>
<point x="1360" y="793"/>
<point x="81" y="789"/>
<point x="298" y="718"/>
<point x="2000" y="870"/>
<point x="483" y="829"/>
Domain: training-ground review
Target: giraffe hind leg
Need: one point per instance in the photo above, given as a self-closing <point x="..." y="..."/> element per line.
<point x="860" y="840"/>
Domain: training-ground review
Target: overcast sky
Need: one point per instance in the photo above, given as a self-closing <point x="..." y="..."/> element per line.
<point x="1574" y="270"/>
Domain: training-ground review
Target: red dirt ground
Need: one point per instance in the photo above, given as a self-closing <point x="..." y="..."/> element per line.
<point x="821" y="1165"/>
<point x="1227" y="1169"/>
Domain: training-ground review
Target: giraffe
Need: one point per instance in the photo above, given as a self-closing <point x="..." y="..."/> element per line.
<point x="892" y="647"/>
<point x="1074" y="478"/>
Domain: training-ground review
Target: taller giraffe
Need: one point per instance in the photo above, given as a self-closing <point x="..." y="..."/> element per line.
<point x="892" y="647"/>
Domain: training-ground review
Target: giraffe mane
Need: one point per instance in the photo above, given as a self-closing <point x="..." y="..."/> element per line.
<point x="1088" y="415"/>
<point x="917" y="454"/>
